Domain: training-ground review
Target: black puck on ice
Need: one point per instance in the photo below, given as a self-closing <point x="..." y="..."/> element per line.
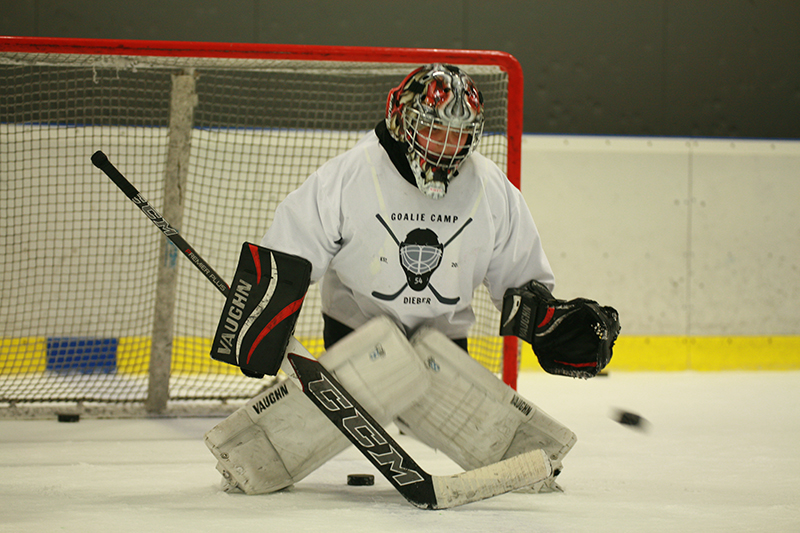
<point x="626" y="418"/>
<point x="360" y="479"/>
<point x="629" y="419"/>
<point x="68" y="417"/>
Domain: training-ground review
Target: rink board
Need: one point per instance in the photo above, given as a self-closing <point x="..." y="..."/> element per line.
<point x="633" y="353"/>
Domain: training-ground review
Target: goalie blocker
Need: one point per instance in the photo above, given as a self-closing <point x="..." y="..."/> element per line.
<point x="571" y="338"/>
<point x="261" y="310"/>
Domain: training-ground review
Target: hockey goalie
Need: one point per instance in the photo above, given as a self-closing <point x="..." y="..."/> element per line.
<point x="399" y="231"/>
<point x="428" y="385"/>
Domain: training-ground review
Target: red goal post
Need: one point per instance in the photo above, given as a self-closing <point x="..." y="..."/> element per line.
<point x="68" y="87"/>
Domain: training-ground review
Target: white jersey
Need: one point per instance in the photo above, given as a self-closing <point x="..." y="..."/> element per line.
<point x="379" y="246"/>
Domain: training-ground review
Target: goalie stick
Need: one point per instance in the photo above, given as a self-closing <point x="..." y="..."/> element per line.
<point x="412" y="482"/>
<point x="415" y="484"/>
<point x="100" y="160"/>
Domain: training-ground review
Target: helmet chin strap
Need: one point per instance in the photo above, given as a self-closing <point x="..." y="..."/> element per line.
<point x="431" y="181"/>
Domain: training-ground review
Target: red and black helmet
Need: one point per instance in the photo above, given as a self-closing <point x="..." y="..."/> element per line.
<point x="442" y="99"/>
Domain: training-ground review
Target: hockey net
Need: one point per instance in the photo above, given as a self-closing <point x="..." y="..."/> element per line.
<point x="84" y="301"/>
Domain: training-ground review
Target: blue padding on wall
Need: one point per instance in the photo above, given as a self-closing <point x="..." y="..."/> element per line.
<point x="85" y="355"/>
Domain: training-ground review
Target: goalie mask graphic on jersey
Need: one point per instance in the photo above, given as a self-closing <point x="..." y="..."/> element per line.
<point x="420" y="256"/>
<point x="437" y="111"/>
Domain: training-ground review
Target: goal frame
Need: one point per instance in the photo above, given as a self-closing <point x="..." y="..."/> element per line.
<point x="503" y="60"/>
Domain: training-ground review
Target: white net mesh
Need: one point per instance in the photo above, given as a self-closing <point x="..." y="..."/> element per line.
<point x="81" y="265"/>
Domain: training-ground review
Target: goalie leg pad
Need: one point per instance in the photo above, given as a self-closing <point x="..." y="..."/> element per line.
<point x="379" y="367"/>
<point x="280" y="436"/>
<point x="274" y="440"/>
<point x="472" y="416"/>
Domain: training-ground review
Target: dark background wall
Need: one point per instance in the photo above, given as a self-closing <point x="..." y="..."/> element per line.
<point x="719" y="68"/>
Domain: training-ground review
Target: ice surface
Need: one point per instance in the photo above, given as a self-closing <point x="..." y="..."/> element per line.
<point x="720" y="452"/>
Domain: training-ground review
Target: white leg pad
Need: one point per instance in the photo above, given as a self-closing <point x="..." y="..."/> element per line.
<point x="276" y="438"/>
<point x="279" y="436"/>
<point x="378" y="366"/>
<point x="471" y="415"/>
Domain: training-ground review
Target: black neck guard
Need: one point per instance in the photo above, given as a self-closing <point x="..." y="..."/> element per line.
<point x="396" y="151"/>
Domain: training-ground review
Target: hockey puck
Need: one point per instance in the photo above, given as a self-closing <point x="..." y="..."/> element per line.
<point x="627" y="418"/>
<point x="68" y="417"/>
<point x="360" y="479"/>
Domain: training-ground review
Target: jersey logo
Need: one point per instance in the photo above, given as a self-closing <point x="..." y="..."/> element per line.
<point x="420" y="255"/>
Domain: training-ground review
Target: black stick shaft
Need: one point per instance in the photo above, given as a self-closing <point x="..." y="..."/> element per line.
<point x="100" y="160"/>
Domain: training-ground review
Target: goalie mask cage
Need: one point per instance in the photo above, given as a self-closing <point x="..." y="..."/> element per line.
<point x="98" y="308"/>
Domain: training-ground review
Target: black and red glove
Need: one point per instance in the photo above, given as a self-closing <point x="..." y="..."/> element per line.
<point x="570" y="338"/>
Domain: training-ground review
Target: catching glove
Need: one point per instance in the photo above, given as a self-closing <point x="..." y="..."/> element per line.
<point x="570" y="338"/>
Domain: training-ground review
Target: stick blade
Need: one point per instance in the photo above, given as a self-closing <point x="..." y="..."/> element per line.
<point x="366" y="434"/>
<point x="515" y="473"/>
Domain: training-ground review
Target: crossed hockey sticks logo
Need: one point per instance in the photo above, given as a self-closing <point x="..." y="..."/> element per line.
<point x="420" y="256"/>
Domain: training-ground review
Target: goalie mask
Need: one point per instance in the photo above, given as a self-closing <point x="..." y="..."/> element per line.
<point x="437" y="111"/>
<point x="420" y="255"/>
